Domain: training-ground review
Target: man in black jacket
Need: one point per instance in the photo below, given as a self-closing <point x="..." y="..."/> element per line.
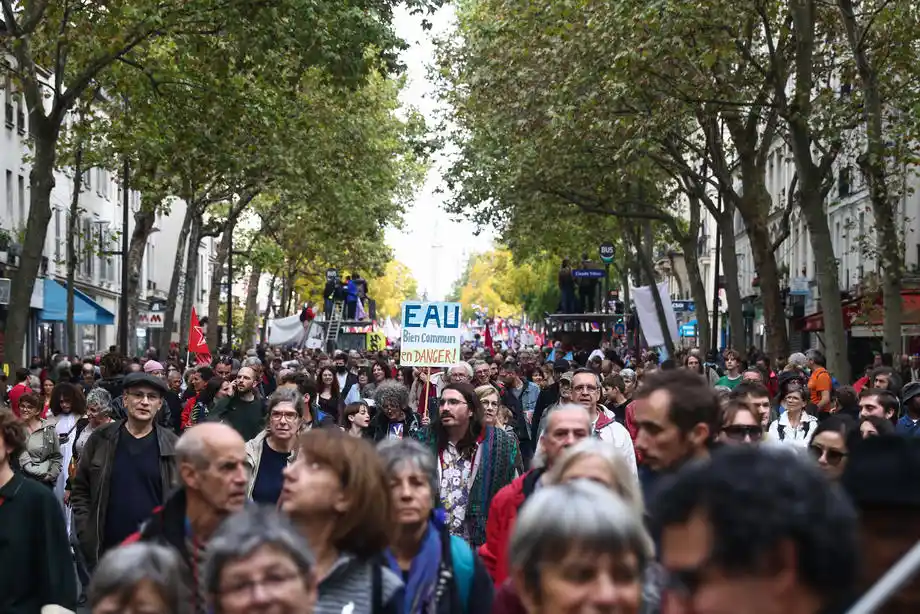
<point x="34" y="550"/>
<point x="549" y="396"/>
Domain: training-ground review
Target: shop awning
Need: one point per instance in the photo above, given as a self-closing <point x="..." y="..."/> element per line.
<point x="858" y="312"/>
<point x="85" y="309"/>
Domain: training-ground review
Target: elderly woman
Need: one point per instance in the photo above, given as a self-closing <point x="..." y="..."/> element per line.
<point x="99" y="412"/>
<point x="41" y="456"/>
<point x="259" y="548"/>
<point x="269" y="452"/>
<point x="336" y="494"/>
<point x="441" y="572"/>
<point x="578" y="547"/>
<point x="394" y="419"/>
<point x="137" y="579"/>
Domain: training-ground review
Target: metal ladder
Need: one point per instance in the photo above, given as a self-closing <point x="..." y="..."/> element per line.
<point x="335" y="324"/>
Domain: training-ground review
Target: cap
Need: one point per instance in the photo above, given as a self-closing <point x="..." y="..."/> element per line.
<point x="151" y="365"/>
<point x="910" y="391"/>
<point x="134" y="380"/>
<point x="561" y="364"/>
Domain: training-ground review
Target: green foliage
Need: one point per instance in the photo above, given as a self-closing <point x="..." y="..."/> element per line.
<point x="392" y="288"/>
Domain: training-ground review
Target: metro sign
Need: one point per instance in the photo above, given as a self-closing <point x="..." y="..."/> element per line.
<point x="150" y="319"/>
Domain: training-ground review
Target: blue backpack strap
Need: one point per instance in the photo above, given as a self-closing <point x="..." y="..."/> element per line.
<point x="463" y="560"/>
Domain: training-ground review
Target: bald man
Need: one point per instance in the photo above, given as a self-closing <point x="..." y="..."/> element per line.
<point x="211" y="460"/>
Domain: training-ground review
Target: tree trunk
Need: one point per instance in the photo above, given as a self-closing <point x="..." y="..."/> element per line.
<point x="732" y="281"/>
<point x="191" y="275"/>
<point x="690" y="245"/>
<point x="268" y="307"/>
<point x="645" y="262"/>
<point x="835" y="337"/>
<point x="41" y="182"/>
<point x="217" y="276"/>
<point x="251" y="314"/>
<point x="178" y="274"/>
<point x="873" y="163"/>
<point x="137" y="248"/>
<point x="72" y="225"/>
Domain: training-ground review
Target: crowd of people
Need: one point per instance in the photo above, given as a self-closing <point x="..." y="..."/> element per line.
<point x="517" y="480"/>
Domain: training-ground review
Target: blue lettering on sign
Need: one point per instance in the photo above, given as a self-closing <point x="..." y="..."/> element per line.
<point x="437" y="315"/>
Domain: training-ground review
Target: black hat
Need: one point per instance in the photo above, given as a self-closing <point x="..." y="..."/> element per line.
<point x="909" y="391"/>
<point x="561" y="365"/>
<point x="142" y="379"/>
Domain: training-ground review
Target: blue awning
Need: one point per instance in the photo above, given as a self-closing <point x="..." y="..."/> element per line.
<point x="85" y="309"/>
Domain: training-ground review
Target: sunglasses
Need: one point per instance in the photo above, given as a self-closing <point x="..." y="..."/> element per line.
<point x="740" y="432"/>
<point x="833" y="456"/>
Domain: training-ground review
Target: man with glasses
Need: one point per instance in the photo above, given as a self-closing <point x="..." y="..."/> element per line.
<point x="127" y="468"/>
<point x="586" y="391"/>
<point x="738" y="535"/>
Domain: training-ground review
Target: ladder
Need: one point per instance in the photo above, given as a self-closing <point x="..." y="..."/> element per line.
<point x="335" y="324"/>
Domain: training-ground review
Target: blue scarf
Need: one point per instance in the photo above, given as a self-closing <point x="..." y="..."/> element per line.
<point x="421" y="585"/>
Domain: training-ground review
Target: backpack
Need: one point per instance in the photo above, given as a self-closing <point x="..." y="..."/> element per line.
<point x="463" y="561"/>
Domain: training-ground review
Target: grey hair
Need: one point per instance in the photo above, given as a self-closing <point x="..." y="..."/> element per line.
<point x="580" y="515"/>
<point x="539" y="459"/>
<point x="627" y="486"/>
<point x="391" y="391"/>
<point x="122" y="569"/>
<point x="102" y="398"/>
<point x="400" y="452"/>
<point x="462" y="365"/>
<point x="192" y="449"/>
<point x="285" y="395"/>
<point x="251" y="361"/>
<point x="245" y="532"/>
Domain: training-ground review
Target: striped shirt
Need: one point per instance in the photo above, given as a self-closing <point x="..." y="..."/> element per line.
<point x="347" y="588"/>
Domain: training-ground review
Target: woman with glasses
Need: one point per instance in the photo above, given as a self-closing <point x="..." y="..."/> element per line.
<point x="740" y="424"/>
<point x="257" y="548"/>
<point x="831" y="442"/>
<point x="40" y="458"/>
<point x="336" y="494"/>
<point x="795" y="426"/>
<point x="269" y="452"/>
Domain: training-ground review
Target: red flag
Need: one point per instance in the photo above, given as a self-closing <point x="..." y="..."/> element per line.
<point x="488" y="340"/>
<point x="196" y="341"/>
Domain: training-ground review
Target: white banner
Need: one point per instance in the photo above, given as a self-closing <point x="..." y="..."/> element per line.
<point x="282" y="331"/>
<point x="648" y="317"/>
<point x="430" y="334"/>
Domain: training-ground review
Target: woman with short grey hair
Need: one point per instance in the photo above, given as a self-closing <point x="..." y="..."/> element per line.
<point x="394" y="419"/>
<point x="258" y="547"/>
<point x="269" y="452"/>
<point x="442" y="573"/>
<point x="577" y="547"/>
<point x="139" y="577"/>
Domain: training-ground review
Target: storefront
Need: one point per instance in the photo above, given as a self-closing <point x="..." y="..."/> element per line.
<point x="50" y="320"/>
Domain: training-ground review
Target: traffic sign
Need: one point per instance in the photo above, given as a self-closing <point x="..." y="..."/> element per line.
<point x="589" y="273"/>
<point x="149" y="319"/>
<point x="607" y="251"/>
<point x="619" y="328"/>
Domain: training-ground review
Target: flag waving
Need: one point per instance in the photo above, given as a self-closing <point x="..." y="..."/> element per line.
<point x="488" y="340"/>
<point x="196" y="341"/>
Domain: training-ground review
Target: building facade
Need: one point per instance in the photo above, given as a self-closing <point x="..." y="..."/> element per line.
<point x="97" y="230"/>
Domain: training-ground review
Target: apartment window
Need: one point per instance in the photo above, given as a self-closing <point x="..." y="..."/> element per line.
<point x="10" y="207"/>
<point x="8" y="89"/>
<point x="22" y="200"/>
<point x="58" y="235"/>
<point x="88" y="247"/>
<point x="87" y="180"/>
<point x="20" y="115"/>
<point x="844" y="182"/>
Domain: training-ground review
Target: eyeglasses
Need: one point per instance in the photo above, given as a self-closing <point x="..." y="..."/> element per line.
<point x="490" y="404"/>
<point x="451" y="402"/>
<point x="270" y="583"/>
<point x="739" y="432"/>
<point x="140" y="396"/>
<point x="585" y="388"/>
<point x="793" y="397"/>
<point x="832" y="456"/>
<point x="284" y="416"/>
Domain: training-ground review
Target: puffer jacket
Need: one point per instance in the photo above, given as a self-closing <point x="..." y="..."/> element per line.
<point x="41" y="460"/>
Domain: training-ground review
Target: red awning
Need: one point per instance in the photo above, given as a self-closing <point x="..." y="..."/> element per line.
<point x="856" y="312"/>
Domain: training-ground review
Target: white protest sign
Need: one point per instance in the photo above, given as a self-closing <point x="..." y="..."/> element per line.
<point x="430" y="334"/>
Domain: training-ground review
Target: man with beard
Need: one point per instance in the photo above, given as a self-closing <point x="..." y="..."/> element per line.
<point x="676" y="419"/>
<point x="243" y="410"/>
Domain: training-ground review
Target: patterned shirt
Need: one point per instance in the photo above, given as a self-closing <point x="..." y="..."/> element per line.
<point x="456" y="477"/>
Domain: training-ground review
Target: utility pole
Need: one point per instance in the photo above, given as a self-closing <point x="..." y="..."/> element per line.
<point x="229" y="291"/>
<point x="715" y="283"/>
